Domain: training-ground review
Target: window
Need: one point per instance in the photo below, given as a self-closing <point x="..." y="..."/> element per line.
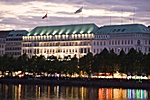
<point x="97" y="43"/>
<point x="118" y="30"/>
<point x="125" y="42"/>
<point x="94" y="50"/>
<point x="118" y="42"/>
<point x="131" y="41"/>
<point x="101" y="43"/>
<point x="138" y="42"/>
<point x="85" y="51"/>
<point x="97" y="50"/>
<point x="114" y="30"/>
<point x="145" y="49"/>
<point x="123" y="30"/>
<point x="112" y="42"/>
<point x="115" y="42"/>
<point x="94" y="43"/>
<point x="122" y="41"/>
<point x="128" y="41"/>
<point x="81" y="50"/>
<point x="109" y="42"/>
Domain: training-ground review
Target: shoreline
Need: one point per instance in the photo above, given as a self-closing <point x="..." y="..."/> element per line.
<point x="101" y="83"/>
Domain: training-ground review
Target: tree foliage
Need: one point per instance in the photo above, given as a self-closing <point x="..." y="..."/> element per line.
<point x="106" y="61"/>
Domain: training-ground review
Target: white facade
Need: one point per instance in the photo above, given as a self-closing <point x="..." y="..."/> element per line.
<point x="57" y="46"/>
<point x="117" y="42"/>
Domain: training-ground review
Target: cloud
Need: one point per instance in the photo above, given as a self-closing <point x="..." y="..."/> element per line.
<point x="27" y="14"/>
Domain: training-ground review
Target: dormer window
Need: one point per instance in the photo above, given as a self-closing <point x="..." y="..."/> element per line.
<point x="123" y="30"/>
<point x="118" y="30"/>
<point x="114" y="30"/>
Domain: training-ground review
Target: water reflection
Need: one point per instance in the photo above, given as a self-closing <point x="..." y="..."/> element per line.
<point x="43" y="92"/>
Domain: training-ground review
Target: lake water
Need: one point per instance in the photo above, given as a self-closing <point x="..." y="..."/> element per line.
<point x="44" y="92"/>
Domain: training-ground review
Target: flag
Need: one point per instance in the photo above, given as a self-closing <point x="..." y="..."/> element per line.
<point x="79" y="10"/>
<point x="44" y="16"/>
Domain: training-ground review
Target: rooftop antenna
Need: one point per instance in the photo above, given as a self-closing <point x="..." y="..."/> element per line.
<point x="110" y="16"/>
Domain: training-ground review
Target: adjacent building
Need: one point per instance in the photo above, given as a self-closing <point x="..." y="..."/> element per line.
<point x="3" y="35"/>
<point x="14" y="43"/>
<point x="79" y="39"/>
<point x="118" y="37"/>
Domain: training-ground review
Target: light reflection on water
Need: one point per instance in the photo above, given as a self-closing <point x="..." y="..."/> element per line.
<point x="45" y="92"/>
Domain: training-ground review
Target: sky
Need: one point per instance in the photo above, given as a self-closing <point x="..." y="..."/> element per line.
<point x="27" y="14"/>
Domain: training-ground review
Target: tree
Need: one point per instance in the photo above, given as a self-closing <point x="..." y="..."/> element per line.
<point x="132" y="61"/>
<point x="113" y="62"/>
<point x="122" y="61"/>
<point x="72" y="66"/>
<point x="22" y="63"/>
<point x="104" y="60"/>
<point x="40" y="63"/>
<point x="85" y="63"/>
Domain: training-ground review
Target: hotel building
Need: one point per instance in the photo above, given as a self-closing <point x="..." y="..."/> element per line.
<point x="79" y="39"/>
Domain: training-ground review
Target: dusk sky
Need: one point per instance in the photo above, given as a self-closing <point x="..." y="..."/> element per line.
<point x="27" y="14"/>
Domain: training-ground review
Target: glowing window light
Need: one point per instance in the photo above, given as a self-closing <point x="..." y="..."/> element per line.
<point x="82" y="31"/>
<point x="48" y="32"/>
<point x="75" y="31"/>
<point x="61" y="31"/>
<point x="90" y="30"/>
<point x="35" y="34"/>
<point x="42" y="32"/>
<point x="54" y="32"/>
<point x="68" y="31"/>
<point x="75" y="35"/>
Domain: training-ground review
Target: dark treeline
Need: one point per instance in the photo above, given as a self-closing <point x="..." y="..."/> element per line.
<point x="134" y="63"/>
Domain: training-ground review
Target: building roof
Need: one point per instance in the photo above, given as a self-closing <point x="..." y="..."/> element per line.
<point x="17" y="34"/>
<point x="127" y="28"/>
<point x="4" y="34"/>
<point x="64" y="29"/>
